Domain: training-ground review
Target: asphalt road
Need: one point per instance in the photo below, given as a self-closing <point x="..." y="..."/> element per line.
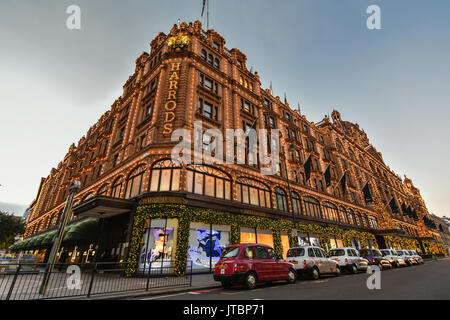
<point x="429" y="281"/>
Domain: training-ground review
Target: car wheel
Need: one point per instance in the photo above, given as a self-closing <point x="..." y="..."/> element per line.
<point x="354" y="269"/>
<point x="338" y="272"/>
<point x="315" y="274"/>
<point x="250" y="280"/>
<point x="292" y="277"/>
<point x="226" y="284"/>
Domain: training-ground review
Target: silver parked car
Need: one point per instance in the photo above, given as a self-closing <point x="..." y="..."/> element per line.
<point x="312" y="261"/>
<point x="349" y="259"/>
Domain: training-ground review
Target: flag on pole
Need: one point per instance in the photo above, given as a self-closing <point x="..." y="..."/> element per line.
<point x="343" y="182"/>
<point x="307" y="168"/>
<point x="393" y="206"/>
<point x="367" y="195"/>
<point x="404" y="209"/>
<point x="327" y="176"/>
<point x="203" y="8"/>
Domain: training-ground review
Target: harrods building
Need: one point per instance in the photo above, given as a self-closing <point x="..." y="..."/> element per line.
<point x="332" y="188"/>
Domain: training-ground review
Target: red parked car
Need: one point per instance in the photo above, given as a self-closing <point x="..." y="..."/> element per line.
<point x="249" y="263"/>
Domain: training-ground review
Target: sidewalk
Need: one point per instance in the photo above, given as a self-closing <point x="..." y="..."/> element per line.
<point x="199" y="282"/>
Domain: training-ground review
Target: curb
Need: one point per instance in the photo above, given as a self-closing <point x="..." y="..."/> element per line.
<point x="130" y="295"/>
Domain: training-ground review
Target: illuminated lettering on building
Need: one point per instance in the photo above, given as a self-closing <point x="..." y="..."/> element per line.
<point x="171" y="104"/>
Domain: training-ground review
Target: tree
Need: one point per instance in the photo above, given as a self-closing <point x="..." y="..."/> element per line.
<point x="10" y="226"/>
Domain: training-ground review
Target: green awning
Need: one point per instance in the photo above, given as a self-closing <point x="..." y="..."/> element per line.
<point x="49" y="238"/>
<point x="85" y="230"/>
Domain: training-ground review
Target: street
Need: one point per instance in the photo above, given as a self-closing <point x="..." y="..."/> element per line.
<point x="429" y="281"/>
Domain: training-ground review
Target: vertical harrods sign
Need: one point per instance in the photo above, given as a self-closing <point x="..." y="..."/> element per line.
<point x="171" y="103"/>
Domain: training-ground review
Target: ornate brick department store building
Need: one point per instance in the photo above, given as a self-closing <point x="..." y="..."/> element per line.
<point x="136" y="204"/>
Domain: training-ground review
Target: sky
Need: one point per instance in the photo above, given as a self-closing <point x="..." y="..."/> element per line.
<point x="394" y="82"/>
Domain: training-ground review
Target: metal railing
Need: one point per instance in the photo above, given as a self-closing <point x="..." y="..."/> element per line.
<point x="22" y="281"/>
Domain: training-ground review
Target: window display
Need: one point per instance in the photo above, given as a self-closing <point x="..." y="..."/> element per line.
<point x="314" y="240"/>
<point x="284" y="244"/>
<point x="158" y="248"/>
<point x="248" y="235"/>
<point x="264" y="237"/>
<point x="303" y="239"/>
<point x="206" y="244"/>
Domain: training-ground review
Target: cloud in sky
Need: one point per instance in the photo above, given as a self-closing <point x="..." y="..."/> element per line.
<point x="394" y="82"/>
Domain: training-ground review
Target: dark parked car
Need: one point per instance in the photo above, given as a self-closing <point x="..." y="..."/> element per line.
<point x="375" y="257"/>
<point x="249" y="263"/>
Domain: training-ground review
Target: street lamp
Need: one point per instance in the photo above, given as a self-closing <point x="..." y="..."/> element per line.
<point x="73" y="189"/>
<point x="291" y="147"/>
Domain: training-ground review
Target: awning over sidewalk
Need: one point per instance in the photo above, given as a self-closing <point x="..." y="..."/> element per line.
<point x="103" y="207"/>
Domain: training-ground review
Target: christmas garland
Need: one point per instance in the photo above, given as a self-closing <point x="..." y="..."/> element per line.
<point x="186" y="215"/>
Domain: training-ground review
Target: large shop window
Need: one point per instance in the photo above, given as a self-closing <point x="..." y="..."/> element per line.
<point x="206" y="243"/>
<point x="343" y="215"/>
<point x="253" y="192"/>
<point x="356" y="244"/>
<point x="330" y="211"/>
<point x="312" y="207"/>
<point x="117" y="188"/>
<point x="336" y="242"/>
<point x="252" y="235"/>
<point x="280" y="197"/>
<point x="285" y="244"/>
<point x="165" y="176"/>
<point x="351" y="217"/>
<point x="208" y="181"/>
<point x="158" y="244"/>
<point x="296" y="204"/>
<point x="134" y="183"/>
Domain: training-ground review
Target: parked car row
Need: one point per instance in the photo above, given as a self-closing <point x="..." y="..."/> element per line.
<point x="251" y="263"/>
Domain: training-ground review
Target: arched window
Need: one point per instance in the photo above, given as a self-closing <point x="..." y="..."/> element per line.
<point x="252" y="192"/>
<point x="117" y="188"/>
<point x="312" y="207"/>
<point x="366" y="220"/>
<point x="351" y="217"/>
<point x="373" y="222"/>
<point x="216" y="63"/>
<point x="280" y="198"/>
<point x="88" y="196"/>
<point x="134" y="182"/>
<point x="210" y="59"/>
<point x="360" y="220"/>
<point x="330" y="211"/>
<point x="203" y="54"/>
<point x="208" y="181"/>
<point x="296" y="204"/>
<point x="165" y="176"/>
<point x="343" y="215"/>
<point x="103" y="190"/>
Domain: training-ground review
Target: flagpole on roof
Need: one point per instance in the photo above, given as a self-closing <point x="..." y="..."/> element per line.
<point x="207" y="15"/>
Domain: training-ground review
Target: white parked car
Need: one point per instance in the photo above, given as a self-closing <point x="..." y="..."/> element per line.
<point x="349" y="259"/>
<point x="393" y="257"/>
<point x="416" y="256"/>
<point x="409" y="259"/>
<point x="312" y="261"/>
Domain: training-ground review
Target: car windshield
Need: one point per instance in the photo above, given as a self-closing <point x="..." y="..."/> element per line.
<point x="385" y="252"/>
<point x="230" y="252"/>
<point x="411" y="252"/>
<point x="337" y="253"/>
<point x="400" y="253"/>
<point x="364" y="252"/>
<point x="296" y="252"/>
<point x="377" y="253"/>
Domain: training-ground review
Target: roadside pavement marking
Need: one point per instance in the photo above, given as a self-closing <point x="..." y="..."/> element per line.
<point x="166" y="296"/>
<point x="204" y="291"/>
<point x="319" y="281"/>
<point x="230" y="292"/>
